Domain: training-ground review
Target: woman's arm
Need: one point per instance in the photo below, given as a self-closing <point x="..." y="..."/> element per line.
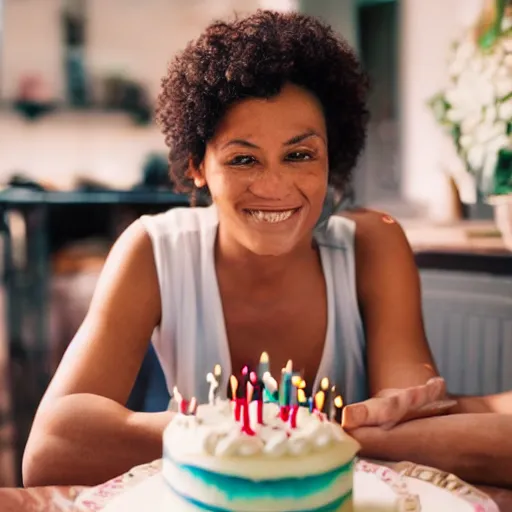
<point x="89" y="439"/>
<point x="82" y="433"/>
<point x="388" y="289"/>
<point x="475" y="447"/>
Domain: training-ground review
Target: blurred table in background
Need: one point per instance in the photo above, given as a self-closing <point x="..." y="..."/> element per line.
<point x="37" y="228"/>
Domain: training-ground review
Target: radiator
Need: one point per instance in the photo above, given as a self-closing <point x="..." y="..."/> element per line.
<point x="468" y="320"/>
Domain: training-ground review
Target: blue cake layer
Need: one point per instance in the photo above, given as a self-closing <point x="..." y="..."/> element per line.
<point x="236" y="488"/>
<point x="330" y="507"/>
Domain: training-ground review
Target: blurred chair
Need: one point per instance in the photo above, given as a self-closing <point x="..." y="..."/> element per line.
<point x="149" y="392"/>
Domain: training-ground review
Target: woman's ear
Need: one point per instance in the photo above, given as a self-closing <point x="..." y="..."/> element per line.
<point x="196" y="174"/>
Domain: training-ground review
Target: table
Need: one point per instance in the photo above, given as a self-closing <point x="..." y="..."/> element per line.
<point x="26" y="274"/>
<point x="93" y="499"/>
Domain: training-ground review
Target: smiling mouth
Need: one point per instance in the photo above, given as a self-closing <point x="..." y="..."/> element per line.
<point x="270" y="216"/>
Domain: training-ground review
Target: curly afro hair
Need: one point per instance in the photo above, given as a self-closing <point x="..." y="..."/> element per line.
<point x="254" y="57"/>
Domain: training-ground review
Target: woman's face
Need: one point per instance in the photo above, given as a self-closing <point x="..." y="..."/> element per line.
<point x="266" y="169"/>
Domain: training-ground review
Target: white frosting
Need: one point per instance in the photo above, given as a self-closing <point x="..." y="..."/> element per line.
<point x="213" y="440"/>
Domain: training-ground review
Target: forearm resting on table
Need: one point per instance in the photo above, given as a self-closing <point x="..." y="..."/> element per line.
<point x="475" y="447"/>
<point x="87" y="439"/>
<point x="500" y="403"/>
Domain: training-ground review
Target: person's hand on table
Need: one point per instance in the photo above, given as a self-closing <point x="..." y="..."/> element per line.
<point x="393" y="406"/>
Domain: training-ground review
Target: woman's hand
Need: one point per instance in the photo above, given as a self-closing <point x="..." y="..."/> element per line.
<point x="392" y="406"/>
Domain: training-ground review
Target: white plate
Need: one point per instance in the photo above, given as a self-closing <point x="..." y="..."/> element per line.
<point x="437" y="492"/>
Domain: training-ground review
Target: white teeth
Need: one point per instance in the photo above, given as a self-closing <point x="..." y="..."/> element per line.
<point x="272" y="217"/>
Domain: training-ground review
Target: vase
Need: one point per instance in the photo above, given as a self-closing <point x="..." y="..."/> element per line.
<point x="503" y="217"/>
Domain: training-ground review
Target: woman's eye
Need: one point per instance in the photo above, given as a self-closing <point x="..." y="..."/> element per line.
<point x="298" y="156"/>
<point x="241" y="160"/>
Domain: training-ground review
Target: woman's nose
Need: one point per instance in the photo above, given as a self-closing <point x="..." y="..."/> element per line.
<point x="271" y="183"/>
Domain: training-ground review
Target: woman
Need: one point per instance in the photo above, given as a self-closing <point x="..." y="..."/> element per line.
<point x="263" y="113"/>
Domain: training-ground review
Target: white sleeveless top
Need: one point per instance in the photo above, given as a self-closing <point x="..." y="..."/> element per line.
<point x="191" y="337"/>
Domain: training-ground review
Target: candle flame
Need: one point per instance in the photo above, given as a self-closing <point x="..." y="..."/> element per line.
<point x="319" y="400"/>
<point x="233" y="382"/>
<point x="301" y="396"/>
<point x="217" y="370"/>
<point x="264" y="358"/>
<point x="324" y="384"/>
<point x="302" y="384"/>
<point x="245" y="370"/>
<point x="289" y="366"/>
<point x="297" y="381"/>
<point x="253" y="377"/>
<point x="250" y="392"/>
<point x="338" y="402"/>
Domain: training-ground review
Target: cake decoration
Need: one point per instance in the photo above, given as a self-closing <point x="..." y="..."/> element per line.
<point x="267" y="447"/>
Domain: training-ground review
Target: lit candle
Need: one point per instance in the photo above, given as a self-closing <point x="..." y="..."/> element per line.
<point x="182" y="403"/>
<point x="264" y="366"/>
<point x="296" y="381"/>
<point x="258" y="387"/>
<point x="217" y="373"/>
<point x="338" y="403"/>
<point x="311" y="404"/>
<point x="234" y="396"/>
<point x="192" y="407"/>
<point x="271" y="390"/>
<point x="319" y="401"/>
<point x="284" y="390"/>
<point x="214" y="386"/>
<point x="322" y="394"/>
<point x="245" y="374"/>
<point x="246" y="422"/>
<point x="293" y="416"/>
<point x="332" y="405"/>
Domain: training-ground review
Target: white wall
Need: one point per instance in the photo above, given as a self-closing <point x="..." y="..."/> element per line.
<point x="428" y="27"/>
<point x="149" y="34"/>
<point x="31" y="43"/>
<point x="341" y="14"/>
<point x="60" y="147"/>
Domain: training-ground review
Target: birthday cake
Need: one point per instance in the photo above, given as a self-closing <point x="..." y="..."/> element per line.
<point x="267" y="449"/>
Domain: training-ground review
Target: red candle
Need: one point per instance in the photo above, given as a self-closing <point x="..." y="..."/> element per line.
<point x="234" y="397"/>
<point x="293" y="416"/>
<point x="183" y="406"/>
<point x="284" y="412"/>
<point x="238" y="408"/>
<point x="258" y="385"/>
<point x="246" y="423"/>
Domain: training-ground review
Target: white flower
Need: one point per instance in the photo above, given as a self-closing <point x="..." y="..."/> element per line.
<point x="466" y="141"/>
<point x="503" y="86"/>
<point x="490" y="114"/>
<point x="479" y="81"/>
<point x="476" y="156"/>
<point x="505" y="110"/>
<point x="470" y="122"/>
